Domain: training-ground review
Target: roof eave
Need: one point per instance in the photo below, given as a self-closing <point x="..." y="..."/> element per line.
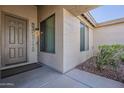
<point x="92" y="21"/>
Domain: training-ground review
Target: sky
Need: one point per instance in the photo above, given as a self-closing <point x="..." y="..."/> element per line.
<point x="107" y="13"/>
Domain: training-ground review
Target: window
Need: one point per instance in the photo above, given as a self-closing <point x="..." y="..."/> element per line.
<point x="84" y="37"/>
<point x="47" y="39"/>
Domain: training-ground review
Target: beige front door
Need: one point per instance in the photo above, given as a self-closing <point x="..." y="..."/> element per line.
<point x="14" y="40"/>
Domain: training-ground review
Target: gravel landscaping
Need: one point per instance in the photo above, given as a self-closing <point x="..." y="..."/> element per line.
<point x="90" y="66"/>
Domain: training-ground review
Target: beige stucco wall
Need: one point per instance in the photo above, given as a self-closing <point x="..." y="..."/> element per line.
<point x="53" y="60"/>
<point x="71" y="42"/>
<point x="29" y="13"/>
<point x="67" y="40"/>
<point x="113" y="34"/>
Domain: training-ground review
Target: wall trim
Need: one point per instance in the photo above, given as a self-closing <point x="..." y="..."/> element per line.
<point x="0" y="41"/>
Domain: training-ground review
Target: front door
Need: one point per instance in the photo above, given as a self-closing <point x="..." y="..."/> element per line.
<point x="14" y="40"/>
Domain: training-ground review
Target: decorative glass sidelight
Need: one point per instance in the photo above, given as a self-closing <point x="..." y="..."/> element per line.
<point x="33" y="37"/>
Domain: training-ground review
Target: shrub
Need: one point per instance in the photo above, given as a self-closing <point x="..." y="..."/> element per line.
<point x="122" y="57"/>
<point x="109" y="55"/>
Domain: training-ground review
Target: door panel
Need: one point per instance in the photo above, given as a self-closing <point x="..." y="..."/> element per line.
<point x="15" y="40"/>
<point x="20" y="34"/>
<point x="12" y="35"/>
<point x="11" y="52"/>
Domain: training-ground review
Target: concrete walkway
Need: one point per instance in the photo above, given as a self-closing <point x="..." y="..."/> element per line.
<point x="48" y="78"/>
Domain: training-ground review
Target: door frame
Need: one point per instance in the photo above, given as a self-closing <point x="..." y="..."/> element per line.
<point x="3" y="14"/>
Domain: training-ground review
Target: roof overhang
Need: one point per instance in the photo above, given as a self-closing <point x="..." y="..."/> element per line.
<point x="92" y="21"/>
<point x="89" y="18"/>
<point x="79" y="9"/>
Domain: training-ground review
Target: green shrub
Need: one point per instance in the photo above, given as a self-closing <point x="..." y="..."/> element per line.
<point x="109" y="55"/>
<point x="122" y="57"/>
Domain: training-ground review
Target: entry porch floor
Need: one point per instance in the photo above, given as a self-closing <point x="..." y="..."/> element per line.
<point x="45" y="77"/>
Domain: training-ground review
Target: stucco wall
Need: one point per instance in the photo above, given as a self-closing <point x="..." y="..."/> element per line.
<point x="108" y="35"/>
<point x="53" y="60"/>
<point x="71" y="42"/>
<point x="67" y="40"/>
<point x="29" y="13"/>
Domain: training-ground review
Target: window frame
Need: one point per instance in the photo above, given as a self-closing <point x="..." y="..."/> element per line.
<point x="87" y="43"/>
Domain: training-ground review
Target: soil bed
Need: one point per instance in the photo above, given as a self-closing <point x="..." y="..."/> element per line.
<point x="90" y="66"/>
